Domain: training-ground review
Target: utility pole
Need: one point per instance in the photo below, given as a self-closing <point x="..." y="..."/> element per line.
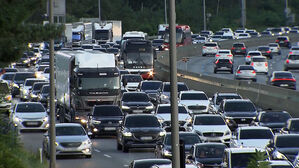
<point x="165" y="11"/>
<point x="173" y="88"/>
<point x="99" y="4"/>
<point x="243" y="13"/>
<point x="204" y="15"/>
<point x="52" y="96"/>
<point x="286" y="11"/>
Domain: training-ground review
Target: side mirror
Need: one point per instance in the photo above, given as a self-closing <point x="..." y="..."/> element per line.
<point x="89" y="134"/>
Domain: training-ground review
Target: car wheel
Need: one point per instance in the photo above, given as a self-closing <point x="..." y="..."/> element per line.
<point x="254" y="80"/>
<point x="279" y="53"/>
<point x="88" y="156"/>
<point x="125" y="148"/>
<point x="286" y="69"/>
<point x="203" y="55"/>
<point x="119" y="147"/>
<point x="266" y="73"/>
<point x="215" y="71"/>
<point x="232" y="71"/>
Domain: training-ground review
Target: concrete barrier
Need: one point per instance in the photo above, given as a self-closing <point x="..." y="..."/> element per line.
<point x="265" y="96"/>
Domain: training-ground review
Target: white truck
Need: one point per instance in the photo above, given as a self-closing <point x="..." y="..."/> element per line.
<point x="161" y="30"/>
<point x="85" y="79"/>
<point x="107" y="31"/>
<point x="82" y="33"/>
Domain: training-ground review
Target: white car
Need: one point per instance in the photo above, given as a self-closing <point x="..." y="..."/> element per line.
<point x="200" y="39"/>
<point x="250" y="54"/>
<point x="209" y="48"/>
<point x="275" y="48"/>
<point x="196" y="102"/>
<point x="243" y="36"/>
<point x="294" y="50"/>
<point x="252" y="136"/>
<point x="211" y="128"/>
<point x="30" y="116"/>
<point x="131" y="82"/>
<point x="237" y="32"/>
<point x="260" y="64"/>
<point x="216" y="38"/>
<point x="163" y="113"/>
<point x="26" y="87"/>
<point x="226" y="54"/>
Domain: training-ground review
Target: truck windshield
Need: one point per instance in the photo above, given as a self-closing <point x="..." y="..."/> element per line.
<point x="179" y="37"/>
<point x="101" y="34"/>
<point x="99" y="83"/>
<point x="76" y="37"/>
<point x="135" y="58"/>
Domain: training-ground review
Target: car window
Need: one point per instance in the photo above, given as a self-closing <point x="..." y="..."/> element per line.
<point x="209" y="120"/>
<point x="30" y="108"/>
<point x="283" y="75"/>
<point x="69" y="131"/>
<point x="287" y="141"/>
<point x="294" y="126"/>
<point x="138" y="97"/>
<point x="238" y="45"/>
<point x="239" y="107"/>
<point x="7" y="76"/>
<point x="4" y="89"/>
<point x="189" y="139"/>
<point x="260" y="59"/>
<point x="295" y="48"/>
<point x="222" y="97"/>
<point x="181" y="87"/>
<point x="246" y="68"/>
<point x="151" y="85"/>
<point x="38" y="86"/>
<point x="107" y="111"/>
<point x="131" y="78"/>
<point x="31" y="82"/>
<point x="210" y="151"/>
<point x="142" y="121"/>
<point x="273" y="45"/>
<point x="194" y="96"/>
<point x="167" y="110"/>
<point x="23" y="76"/>
<point x="210" y="44"/>
<point x="294" y="57"/>
<point x="274" y="117"/>
<point x="223" y="52"/>
<point x="254" y="54"/>
<point x="263" y="48"/>
<point x="256" y="134"/>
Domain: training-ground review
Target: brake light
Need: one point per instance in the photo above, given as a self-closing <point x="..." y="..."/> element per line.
<point x="266" y="64"/>
<point x="229" y="55"/>
<point x="268" y="52"/>
<point x="204" y="47"/>
<point x="233" y="48"/>
<point x="238" y="71"/>
<point x="286" y="41"/>
<point x="230" y="62"/>
<point x="248" y="56"/>
<point x="216" y="47"/>
<point x="287" y="61"/>
<point x="284" y="79"/>
<point x="217" y="55"/>
<point x="253" y="71"/>
<point x="243" y="48"/>
<point x="276" y="41"/>
<point x="290" y="52"/>
<point x="251" y="64"/>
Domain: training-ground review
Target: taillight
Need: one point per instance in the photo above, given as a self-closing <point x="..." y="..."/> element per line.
<point x="286" y="41"/>
<point x="252" y="64"/>
<point x="204" y="47"/>
<point x="238" y="71"/>
<point x="233" y="48"/>
<point x="276" y="41"/>
<point x="217" y="55"/>
<point x="248" y="56"/>
<point x="284" y="79"/>
<point x="216" y="47"/>
<point x="290" y="52"/>
<point x="229" y="55"/>
<point x="268" y="52"/>
<point x="266" y="64"/>
<point x="244" y="48"/>
<point x="217" y="61"/>
<point x="287" y="61"/>
<point x="253" y="71"/>
<point x="230" y="62"/>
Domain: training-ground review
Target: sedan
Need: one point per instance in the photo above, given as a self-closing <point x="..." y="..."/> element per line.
<point x="71" y="139"/>
<point x="283" y="79"/>
<point x="30" y="116"/>
<point x="246" y="72"/>
<point x="136" y="102"/>
<point x="266" y="51"/>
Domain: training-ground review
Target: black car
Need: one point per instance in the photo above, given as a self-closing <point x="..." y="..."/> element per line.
<point x="266" y="51"/>
<point x="4" y="70"/>
<point x="152" y="88"/>
<point x="163" y="148"/>
<point x="158" y="44"/>
<point x="285" y="146"/>
<point x="136" y="102"/>
<point x="104" y="119"/>
<point x="283" y="79"/>
<point x="24" y="61"/>
<point x="207" y="154"/>
<point x="19" y="78"/>
<point x="36" y="89"/>
<point x="44" y="95"/>
<point x="139" y="131"/>
<point x="148" y="163"/>
<point x="273" y="119"/>
<point x="238" y="112"/>
<point x="239" y="49"/>
<point x="291" y="126"/>
<point x="223" y="64"/>
<point x="283" y="41"/>
<point x="220" y="96"/>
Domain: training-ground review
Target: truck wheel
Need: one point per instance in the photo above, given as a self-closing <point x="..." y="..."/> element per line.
<point x="125" y="149"/>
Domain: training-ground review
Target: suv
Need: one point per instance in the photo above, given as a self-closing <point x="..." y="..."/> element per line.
<point x="209" y="48"/>
<point x="292" y="62"/>
<point x="275" y="48"/>
<point x="238" y="113"/>
<point x="219" y="97"/>
<point x="224" y="64"/>
<point x="136" y="102"/>
<point x="266" y="51"/>
<point x="251" y="54"/>
<point x="19" y="79"/>
<point x="139" y="131"/>
<point x="165" y="94"/>
<point x="283" y="41"/>
<point x="238" y="49"/>
<point x="131" y="81"/>
<point x="224" y="54"/>
<point x="283" y="79"/>
<point x="152" y="88"/>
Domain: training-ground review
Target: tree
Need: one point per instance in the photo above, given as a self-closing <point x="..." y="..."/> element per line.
<point x="17" y="32"/>
<point x="258" y="160"/>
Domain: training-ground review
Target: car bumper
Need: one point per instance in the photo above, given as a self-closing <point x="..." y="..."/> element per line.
<point x="292" y="66"/>
<point x="85" y="150"/>
<point x="104" y="129"/>
<point x="223" y="139"/>
<point x="32" y="125"/>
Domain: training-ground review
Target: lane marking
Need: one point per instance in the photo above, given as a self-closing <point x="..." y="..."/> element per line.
<point x="108" y="156"/>
<point x="97" y="150"/>
<point x="126" y="165"/>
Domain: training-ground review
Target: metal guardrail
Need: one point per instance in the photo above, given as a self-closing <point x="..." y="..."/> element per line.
<point x="264" y="96"/>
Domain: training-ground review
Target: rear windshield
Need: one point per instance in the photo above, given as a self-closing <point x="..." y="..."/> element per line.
<point x="136" y="97"/>
<point x="38" y="86"/>
<point x="238" y="45"/>
<point x="87" y="47"/>
<point x="7" y="76"/>
<point x="263" y="48"/>
<point x="260" y="59"/>
<point x="112" y="50"/>
<point x="10" y="70"/>
<point x="194" y="96"/>
<point x="276" y="30"/>
<point x="200" y="38"/>
<point x="287" y="141"/>
<point x="131" y="78"/>
<point x="239" y="107"/>
<point x="273" y="45"/>
<point x="69" y="131"/>
<point x="294" y="57"/>
<point x="210" y="45"/>
<point x="243" y="34"/>
<point x="223" y="52"/>
<point x="256" y="134"/>
<point x="224" y="60"/>
<point x="142" y="121"/>
<point x="107" y="111"/>
<point x="167" y="110"/>
<point x="166" y="88"/>
<point x="158" y="41"/>
<point x="281" y="38"/>
<point x="283" y="75"/>
<point x="246" y="68"/>
<point x="151" y="85"/>
<point x="30" y="108"/>
<point x="209" y="120"/>
<point x="23" y="76"/>
<point x="265" y="32"/>
<point x="31" y="82"/>
<point x="254" y="54"/>
<point x="220" y="98"/>
<point x="295" y="48"/>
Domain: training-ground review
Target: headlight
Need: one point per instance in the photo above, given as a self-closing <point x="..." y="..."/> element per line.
<point x="17" y="119"/>
<point x="15" y="85"/>
<point x="164" y="97"/>
<point x="56" y="143"/>
<point x="162" y="133"/>
<point x="166" y="152"/>
<point x="188" y="120"/>
<point x="127" y="134"/>
<point x="96" y="122"/>
<point x="83" y="121"/>
<point x="8" y="98"/>
<point x="280" y="156"/>
<point x="149" y="107"/>
<point x="25" y="61"/>
<point x="125" y="107"/>
<point x="86" y="142"/>
<point x="33" y="95"/>
<point x="227" y="132"/>
<point x="161" y="120"/>
<point x="46" y="119"/>
<point x="151" y="73"/>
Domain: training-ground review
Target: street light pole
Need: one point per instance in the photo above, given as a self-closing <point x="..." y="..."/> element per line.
<point x="52" y="130"/>
<point x="99" y="3"/>
<point x="165" y="11"/>
<point x="174" y="88"/>
<point x="243" y="13"/>
<point x="204" y="15"/>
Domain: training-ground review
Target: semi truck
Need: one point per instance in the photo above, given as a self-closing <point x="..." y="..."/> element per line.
<point x="84" y="79"/>
<point x="107" y="31"/>
<point x="81" y="33"/>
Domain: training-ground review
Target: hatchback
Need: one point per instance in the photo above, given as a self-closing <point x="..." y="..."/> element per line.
<point x="209" y="48"/>
<point x="251" y="54"/>
<point x="282" y="79"/>
<point x="224" y="54"/>
<point x="275" y="48"/>
<point x="223" y="64"/>
<point x="246" y="72"/>
<point x="238" y="49"/>
<point x="292" y="62"/>
<point x="260" y="64"/>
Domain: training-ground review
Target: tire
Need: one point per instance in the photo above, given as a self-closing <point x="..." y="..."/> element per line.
<point x="254" y="80"/>
<point x="232" y="71"/>
<point x="215" y="71"/>
<point x="279" y="53"/>
<point x="203" y="55"/>
<point x="286" y="69"/>
<point x="266" y="73"/>
<point x="125" y="148"/>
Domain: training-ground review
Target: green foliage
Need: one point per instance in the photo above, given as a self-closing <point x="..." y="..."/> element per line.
<point x="15" y="30"/>
<point x="258" y="160"/>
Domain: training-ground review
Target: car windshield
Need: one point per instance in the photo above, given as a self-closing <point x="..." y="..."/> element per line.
<point x="70" y="131"/>
<point x="7" y="76"/>
<point x="47" y="70"/>
<point x="239" y="107"/>
<point x="294" y="125"/>
<point x="30" y="108"/>
<point x="210" y="151"/>
<point x="42" y="68"/>
<point x="194" y="96"/>
<point x="287" y="141"/>
<point x="105" y="83"/>
<point x="181" y="87"/>
<point x="220" y="98"/>
<point x="240" y="160"/>
<point x="256" y="134"/>
<point x="209" y="120"/>
<point x="167" y="110"/>
<point x="31" y="82"/>
<point x="159" y="41"/>
<point x="294" y="57"/>
<point x="151" y="85"/>
<point x="23" y="76"/>
<point x="283" y="75"/>
<point x="260" y="59"/>
<point x="38" y="86"/>
<point x="274" y="117"/>
<point x="131" y="78"/>
<point x="135" y="97"/>
<point x="107" y="111"/>
<point x="189" y="139"/>
<point x="142" y="121"/>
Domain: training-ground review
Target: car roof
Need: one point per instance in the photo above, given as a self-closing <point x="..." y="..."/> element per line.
<point x="192" y="91"/>
<point x="254" y="128"/>
<point x="209" y="143"/>
<point x="223" y="50"/>
<point x="67" y="124"/>
<point x="274" y="72"/>
<point x="179" y="83"/>
<point x="254" y="52"/>
<point x="259" y="57"/>
<point x="224" y="94"/>
<point x="244" y="149"/>
<point x="237" y="100"/>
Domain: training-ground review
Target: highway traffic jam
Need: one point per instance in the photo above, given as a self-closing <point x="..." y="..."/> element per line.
<point x="111" y="109"/>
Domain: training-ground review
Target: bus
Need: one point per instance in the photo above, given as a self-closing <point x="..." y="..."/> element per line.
<point x="183" y="36"/>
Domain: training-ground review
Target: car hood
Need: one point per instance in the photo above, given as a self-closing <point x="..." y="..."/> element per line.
<point x="72" y="138"/>
<point x="145" y="130"/>
<point x="36" y="115"/>
<point x="195" y="102"/>
<point x="98" y="118"/>
<point x="260" y="143"/>
<point x="136" y="103"/>
<point x="211" y="128"/>
<point x="132" y="84"/>
<point x="273" y="125"/>
<point x="167" y="117"/>
<point x="240" y="114"/>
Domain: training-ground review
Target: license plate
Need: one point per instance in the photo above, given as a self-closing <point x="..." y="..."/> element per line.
<point x="146" y="138"/>
<point x="32" y="123"/>
<point x="137" y="111"/>
<point x="284" y="85"/>
<point x="109" y="128"/>
<point x="238" y="50"/>
<point x="242" y="125"/>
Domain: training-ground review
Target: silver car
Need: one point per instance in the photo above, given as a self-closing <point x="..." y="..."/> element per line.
<point x="292" y="62"/>
<point x="246" y="72"/>
<point x="275" y="48"/>
<point x="71" y="139"/>
<point x="251" y="54"/>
